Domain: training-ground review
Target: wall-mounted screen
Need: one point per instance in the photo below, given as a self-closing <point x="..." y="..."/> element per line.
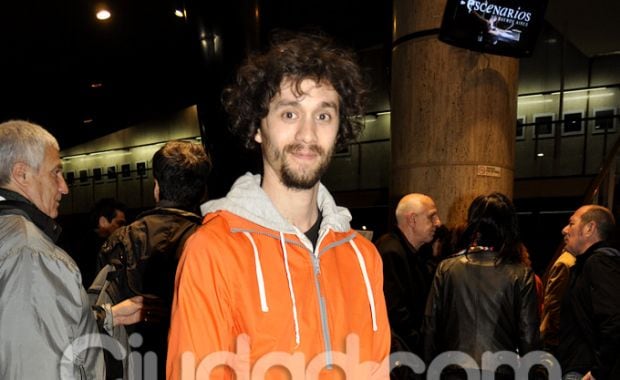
<point x="504" y="27"/>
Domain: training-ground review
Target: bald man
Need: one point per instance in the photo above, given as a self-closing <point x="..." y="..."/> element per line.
<point x="589" y="341"/>
<point x="406" y="279"/>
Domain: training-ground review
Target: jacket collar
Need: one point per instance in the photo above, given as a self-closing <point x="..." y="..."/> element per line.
<point x="248" y="200"/>
<point x="581" y="259"/>
<point x="403" y="240"/>
<point x="195" y="218"/>
<point x="16" y="204"/>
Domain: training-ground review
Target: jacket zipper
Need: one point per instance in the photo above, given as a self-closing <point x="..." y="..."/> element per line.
<point x="322" y="307"/>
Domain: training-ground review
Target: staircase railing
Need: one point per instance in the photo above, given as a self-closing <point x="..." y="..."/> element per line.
<point x="605" y="175"/>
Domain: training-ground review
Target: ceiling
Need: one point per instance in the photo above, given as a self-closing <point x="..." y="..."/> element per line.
<point x="82" y="78"/>
<point x="592" y="26"/>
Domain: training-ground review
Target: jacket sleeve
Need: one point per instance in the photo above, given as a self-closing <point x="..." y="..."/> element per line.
<point x="432" y="315"/>
<point x="555" y="287"/>
<point x="202" y="320"/>
<point x="399" y="313"/>
<point x="381" y="345"/>
<point x="43" y="311"/>
<point x="529" y="333"/>
<point x="603" y="274"/>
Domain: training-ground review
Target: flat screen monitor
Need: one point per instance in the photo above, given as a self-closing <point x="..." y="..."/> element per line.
<point x="504" y="27"/>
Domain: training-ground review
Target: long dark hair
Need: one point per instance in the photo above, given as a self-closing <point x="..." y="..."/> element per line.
<point x="492" y="222"/>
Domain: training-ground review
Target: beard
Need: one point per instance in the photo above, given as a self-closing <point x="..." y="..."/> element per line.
<point x="303" y="178"/>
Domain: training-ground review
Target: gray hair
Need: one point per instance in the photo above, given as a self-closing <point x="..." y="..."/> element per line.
<point x="21" y="141"/>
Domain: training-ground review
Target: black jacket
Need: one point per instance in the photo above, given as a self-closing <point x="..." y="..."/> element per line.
<point x="146" y="254"/>
<point x="590" y="315"/>
<point x="479" y="303"/>
<point x="406" y="282"/>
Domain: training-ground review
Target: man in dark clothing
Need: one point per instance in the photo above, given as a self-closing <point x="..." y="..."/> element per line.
<point x="106" y="216"/>
<point x="590" y="311"/>
<point x="147" y="251"/>
<point x="406" y="277"/>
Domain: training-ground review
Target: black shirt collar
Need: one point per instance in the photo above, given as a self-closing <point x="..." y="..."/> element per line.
<point x="313" y="233"/>
<point x="403" y="239"/>
<point x="584" y="256"/>
<point x="16" y="203"/>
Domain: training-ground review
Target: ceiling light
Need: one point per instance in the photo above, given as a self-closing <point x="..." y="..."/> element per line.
<point x="580" y="90"/>
<point x="96" y="85"/>
<point x="589" y="96"/>
<point x="523" y="102"/>
<point x="540" y="154"/>
<point x="103" y="14"/>
<point x="530" y="96"/>
<point x="179" y="13"/>
<point x="370" y="118"/>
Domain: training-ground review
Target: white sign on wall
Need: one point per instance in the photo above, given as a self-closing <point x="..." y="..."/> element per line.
<point x="488" y="171"/>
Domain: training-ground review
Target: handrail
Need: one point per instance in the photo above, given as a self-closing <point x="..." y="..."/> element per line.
<point x="597" y="181"/>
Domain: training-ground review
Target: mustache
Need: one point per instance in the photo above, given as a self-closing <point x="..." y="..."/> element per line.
<point x="294" y="148"/>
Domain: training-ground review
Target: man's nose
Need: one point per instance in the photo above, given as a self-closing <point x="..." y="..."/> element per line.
<point x="63" y="188"/>
<point x="306" y="131"/>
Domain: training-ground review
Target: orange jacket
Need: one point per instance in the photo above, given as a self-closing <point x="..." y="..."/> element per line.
<point x="249" y="281"/>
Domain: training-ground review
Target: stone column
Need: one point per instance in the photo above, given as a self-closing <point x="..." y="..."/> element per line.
<point x="453" y="115"/>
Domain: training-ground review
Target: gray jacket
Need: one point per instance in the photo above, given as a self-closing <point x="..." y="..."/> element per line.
<point x="44" y="310"/>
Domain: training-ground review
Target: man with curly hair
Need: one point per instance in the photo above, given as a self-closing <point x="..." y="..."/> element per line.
<point x="275" y="282"/>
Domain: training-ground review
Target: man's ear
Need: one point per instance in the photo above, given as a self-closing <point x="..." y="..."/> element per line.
<point x="258" y="137"/>
<point x="411" y="220"/>
<point x="20" y="174"/>
<point x="590" y="228"/>
<point x="103" y="222"/>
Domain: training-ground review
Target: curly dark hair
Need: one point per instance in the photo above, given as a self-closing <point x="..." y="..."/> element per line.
<point x="295" y="57"/>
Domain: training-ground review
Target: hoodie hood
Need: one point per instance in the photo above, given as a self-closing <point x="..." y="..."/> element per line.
<point x="247" y="199"/>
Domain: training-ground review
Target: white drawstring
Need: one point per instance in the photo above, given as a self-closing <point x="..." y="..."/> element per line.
<point x="259" y="275"/>
<point x="371" y="298"/>
<point x="261" y="283"/>
<point x="290" y="288"/>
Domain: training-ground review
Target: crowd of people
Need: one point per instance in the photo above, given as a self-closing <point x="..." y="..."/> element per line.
<point x="271" y="281"/>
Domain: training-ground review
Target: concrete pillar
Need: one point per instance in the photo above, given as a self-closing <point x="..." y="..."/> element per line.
<point x="453" y="115"/>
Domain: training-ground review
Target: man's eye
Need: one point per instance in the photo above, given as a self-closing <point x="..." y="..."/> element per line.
<point x="288" y="115"/>
<point x="325" y="117"/>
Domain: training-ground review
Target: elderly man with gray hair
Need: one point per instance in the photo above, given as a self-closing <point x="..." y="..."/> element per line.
<point x="47" y="327"/>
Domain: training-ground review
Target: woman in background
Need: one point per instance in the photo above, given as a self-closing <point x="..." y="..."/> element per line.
<point x="484" y="297"/>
